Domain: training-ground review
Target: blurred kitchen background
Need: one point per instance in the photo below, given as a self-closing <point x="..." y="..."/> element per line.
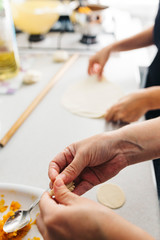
<point x="83" y="26"/>
<point x="72" y="30"/>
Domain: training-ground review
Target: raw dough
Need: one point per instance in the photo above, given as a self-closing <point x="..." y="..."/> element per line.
<point x="91" y="98"/>
<point x="31" y="76"/>
<point x="111" y="195"/>
<point x="60" y="56"/>
<point x="70" y="186"/>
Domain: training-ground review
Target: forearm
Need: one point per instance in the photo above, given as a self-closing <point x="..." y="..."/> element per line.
<point x="140" y="40"/>
<point x="139" y="142"/>
<point x="151" y="97"/>
<point x="115" y="227"/>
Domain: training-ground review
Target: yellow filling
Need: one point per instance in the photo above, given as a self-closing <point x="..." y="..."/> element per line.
<point x="17" y="235"/>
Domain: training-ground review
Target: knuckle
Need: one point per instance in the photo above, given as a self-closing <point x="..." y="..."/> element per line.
<point x="71" y="170"/>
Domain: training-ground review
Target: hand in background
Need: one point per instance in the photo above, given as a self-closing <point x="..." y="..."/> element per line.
<point x="128" y="109"/>
<point x="98" y="61"/>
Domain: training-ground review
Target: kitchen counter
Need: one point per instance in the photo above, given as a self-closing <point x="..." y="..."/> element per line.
<point x="50" y="128"/>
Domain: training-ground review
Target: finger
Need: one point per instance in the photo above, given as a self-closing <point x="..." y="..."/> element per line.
<point x="73" y="170"/>
<point x="126" y="120"/>
<point x="51" y="185"/>
<point x="90" y="66"/>
<point x="46" y="204"/>
<point x="100" y="72"/>
<point x="109" y="114"/>
<point x="60" y="162"/>
<point x="115" y="118"/>
<point x="53" y="171"/>
<point x="62" y="194"/>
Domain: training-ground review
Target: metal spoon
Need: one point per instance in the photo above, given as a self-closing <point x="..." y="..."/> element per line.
<point x="20" y="219"/>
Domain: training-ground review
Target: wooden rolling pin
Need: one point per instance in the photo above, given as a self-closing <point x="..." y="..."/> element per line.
<point x="38" y="99"/>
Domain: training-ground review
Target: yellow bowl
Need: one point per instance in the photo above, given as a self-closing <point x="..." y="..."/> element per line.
<point x="35" y="16"/>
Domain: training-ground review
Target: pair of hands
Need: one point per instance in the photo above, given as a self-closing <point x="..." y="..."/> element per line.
<point x="129" y="108"/>
<point x="70" y="217"/>
<point x="88" y="163"/>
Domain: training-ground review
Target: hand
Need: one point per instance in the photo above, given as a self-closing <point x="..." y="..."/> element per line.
<point x="69" y="217"/>
<point x="129" y="108"/>
<point x="72" y="217"/>
<point x="90" y="162"/>
<point x="98" y="61"/>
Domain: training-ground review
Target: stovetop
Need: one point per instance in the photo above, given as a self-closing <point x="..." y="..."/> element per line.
<point x="66" y="41"/>
<point x="124" y="26"/>
<point x="64" y="35"/>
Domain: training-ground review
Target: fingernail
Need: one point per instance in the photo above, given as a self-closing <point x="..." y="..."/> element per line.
<point x="59" y="182"/>
<point x="51" y="185"/>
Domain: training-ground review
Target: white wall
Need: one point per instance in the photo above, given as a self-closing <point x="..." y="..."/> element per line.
<point x="144" y="9"/>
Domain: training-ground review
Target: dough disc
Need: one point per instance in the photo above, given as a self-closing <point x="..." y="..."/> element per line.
<point x="111" y="196"/>
<point x="91" y="98"/>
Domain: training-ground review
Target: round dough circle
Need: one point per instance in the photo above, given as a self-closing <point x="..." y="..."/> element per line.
<point x="111" y="196"/>
<point x="90" y="97"/>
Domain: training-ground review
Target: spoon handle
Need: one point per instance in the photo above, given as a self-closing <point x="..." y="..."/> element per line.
<point x="34" y="204"/>
<point x="70" y="186"/>
<point x="36" y="201"/>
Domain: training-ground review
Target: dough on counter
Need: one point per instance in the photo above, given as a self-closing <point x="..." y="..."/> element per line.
<point x="60" y="56"/>
<point x="90" y="97"/>
<point x="31" y="76"/>
<point x="111" y="195"/>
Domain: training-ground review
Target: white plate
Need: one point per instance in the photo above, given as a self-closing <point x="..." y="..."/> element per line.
<point x="25" y="195"/>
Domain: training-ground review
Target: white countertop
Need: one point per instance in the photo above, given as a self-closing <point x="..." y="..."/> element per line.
<point x="50" y="128"/>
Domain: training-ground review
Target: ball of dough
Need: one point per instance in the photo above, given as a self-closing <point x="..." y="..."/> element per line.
<point x="111" y="196"/>
<point x="60" y="56"/>
<point x="31" y="76"/>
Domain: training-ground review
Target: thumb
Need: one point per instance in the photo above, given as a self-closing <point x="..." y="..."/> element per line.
<point x="62" y="194"/>
<point x="73" y="170"/>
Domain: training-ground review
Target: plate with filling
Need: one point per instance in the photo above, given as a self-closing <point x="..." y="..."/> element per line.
<point x="12" y="198"/>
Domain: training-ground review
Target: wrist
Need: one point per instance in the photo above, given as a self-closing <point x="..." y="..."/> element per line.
<point x="112" y="48"/>
<point x="115" y="227"/>
<point x="115" y="47"/>
<point x="125" y="146"/>
<point x="152" y="97"/>
<point x="109" y="49"/>
<point x="115" y="146"/>
<point x="146" y="100"/>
